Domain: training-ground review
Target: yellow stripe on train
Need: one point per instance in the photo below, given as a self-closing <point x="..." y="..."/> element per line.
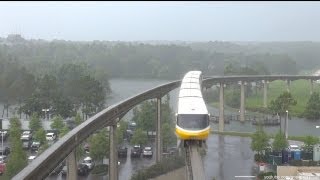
<point x="188" y="134"/>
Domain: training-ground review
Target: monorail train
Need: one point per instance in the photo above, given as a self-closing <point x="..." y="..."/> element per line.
<point x="192" y="118"/>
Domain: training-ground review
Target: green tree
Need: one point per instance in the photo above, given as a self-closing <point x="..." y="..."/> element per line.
<point x="312" y="110"/>
<point x="309" y="142"/>
<point x="64" y="131"/>
<point x="40" y="135"/>
<point x="78" y="120"/>
<point x="168" y="136"/>
<point x="18" y="157"/>
<point x="35" y="122"/>
<point x="260" y="140"/>
<point x="57" y="123"/>
<point x="139" y="137"/>
<point x="283" y="103"/>
<point x="280" y="142"/>
<point x="99" y="145"/>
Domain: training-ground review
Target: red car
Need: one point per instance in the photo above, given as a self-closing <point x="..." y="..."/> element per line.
<point x="2" y="168"/>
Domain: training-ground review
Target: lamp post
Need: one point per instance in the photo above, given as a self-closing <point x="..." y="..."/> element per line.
<point x="45" y="113"/>
<point x="287" y="124"/>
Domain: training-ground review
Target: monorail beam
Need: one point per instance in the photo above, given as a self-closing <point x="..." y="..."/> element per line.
<point x="158" y="133"/>
<point x="113" y="159"/>
<point x="242" y="99"/>
<point x="72" y="166"/>
<point x="221" y="109"/>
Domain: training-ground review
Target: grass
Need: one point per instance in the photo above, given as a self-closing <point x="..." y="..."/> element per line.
<point x="249" y="134"/>
<point x="300" y="90"/>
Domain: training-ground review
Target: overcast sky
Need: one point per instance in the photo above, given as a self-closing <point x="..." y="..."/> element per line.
<point x="187" y="21"/>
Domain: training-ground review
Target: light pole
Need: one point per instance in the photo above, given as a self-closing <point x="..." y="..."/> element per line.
<point x="45" y="113"/>
<point x="287" y="124"/>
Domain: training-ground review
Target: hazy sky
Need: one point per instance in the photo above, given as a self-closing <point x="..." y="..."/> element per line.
<point x="188" y="21"/>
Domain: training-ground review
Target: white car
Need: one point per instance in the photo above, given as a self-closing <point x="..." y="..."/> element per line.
<point x="31" y="158"/>
<point x="89" y="162"/>
<point x="3" y="159"/>
<point x="51" y="136"/>
<point x="147" y="151"/>
<point x="26" y="135"/>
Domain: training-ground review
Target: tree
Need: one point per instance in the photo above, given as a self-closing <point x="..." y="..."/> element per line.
<point x="168" y="136"/>
<point x="139" y="137"/>
<point x="57" y="123"/>
<point x="309" y="142"/>
<point x="283" y="102"/>
<point x="64" y="131"/>
<point x="280" y="142"/>
<point x="260" y="140"/>
<point x="78" y="120"/>
<point x="35" y="122"/>
<point x="18" y="157"/>
<point x="312" y="110"/>
<point x="40" y="135"/>
<point x="99" y="145"/>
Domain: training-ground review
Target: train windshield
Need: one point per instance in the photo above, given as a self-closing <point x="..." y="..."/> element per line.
<point x="193" y="121"/>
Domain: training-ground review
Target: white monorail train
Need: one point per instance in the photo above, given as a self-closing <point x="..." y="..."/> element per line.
<point x="192" y="119"/>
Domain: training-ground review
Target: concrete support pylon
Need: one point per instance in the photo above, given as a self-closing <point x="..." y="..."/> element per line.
<point x="288" y="85"/>
<point x="72" y="166"/>
<point x="242" y="99"/>
<point x="265" y="92"/>
<point x="221" y="109"/>
<point x="311" y="86"/>
<point x="113" y="159"/>
<point x="158" y="133"/>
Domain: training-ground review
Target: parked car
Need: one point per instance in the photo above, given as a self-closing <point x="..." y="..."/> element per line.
<point x="64" y="170"/>
<point x="89" y="162"/>
<point x="2" y="168"/>
<point x="5" y="150"/>
<point x="31" y="158"/>
<point x="26" y="135"/>
<point x="3" y="134"/>
<point x="26" y="144"/>
<point x="3" y="159"/>
<point x="51" y="136"/>
<point x="122" y="151"/>
<point x="35" y="146"/>
<point x="136" y="151"/>
<point x="83" y="169"/>
<point x="147" y="151"/>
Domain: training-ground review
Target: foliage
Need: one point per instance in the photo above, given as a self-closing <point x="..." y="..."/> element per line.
<point x="168" y="136"/>
<point x="166" y="165"/>
<point x="57" y="123"/>
<point x="121" y="131"/>
<point x="283" y="103"/>
<point x="139" y="137"/>
<point x="279" y="142"/>
<point x="309" y="142"/>
<point x="64" y="131"/>
<point x="232" y="98"/>
<point x="312" y="110"/>
<point x="260" y="140"/>
<point x="100" y="169"/>
<point x="99" y="145"/>
<point x="40" y="135"/>
<point x="263" y="175"/>
<point x="78" y="120"/>
<point x="17" y="157"/>
<point x="35" y="123"/>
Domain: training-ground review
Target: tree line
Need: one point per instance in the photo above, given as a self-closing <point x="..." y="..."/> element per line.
<point x="139" y="60"/>
<point x="70" y="88"/>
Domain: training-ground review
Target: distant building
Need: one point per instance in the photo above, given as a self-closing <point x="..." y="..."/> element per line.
<point x="317" y="73"/>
